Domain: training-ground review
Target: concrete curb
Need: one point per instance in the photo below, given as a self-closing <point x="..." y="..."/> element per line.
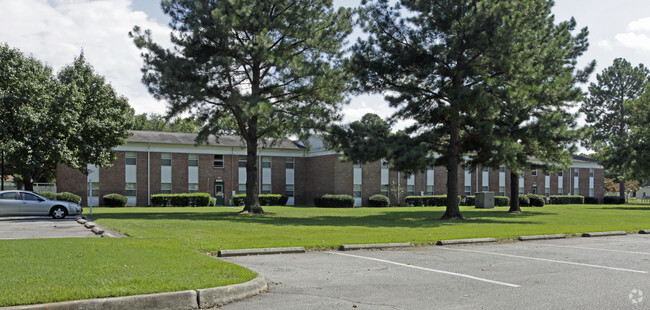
<point x="644" y="231"/>
<point x="96" y="229"/>
<point x="213" y="297"/>
<point x="350" y="247"/>
<point x="266" y="251"/>
<point x="465" y="241"/>
<point x="604" y="233"/>
<point x="89" y="225"/>
<point x="541" y="237"/>
<point x="194" y="299"/>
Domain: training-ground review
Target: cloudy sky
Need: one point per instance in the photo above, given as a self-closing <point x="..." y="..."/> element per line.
<point x="55" y="31"/>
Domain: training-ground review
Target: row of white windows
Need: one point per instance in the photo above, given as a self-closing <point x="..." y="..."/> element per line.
<point x="193" y="160"/>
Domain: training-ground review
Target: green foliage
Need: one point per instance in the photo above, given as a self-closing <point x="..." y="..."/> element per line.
<point x="115" y="201"/>
<point x="48" y="195"/>
<point x="428" y="201"/>
<point x="591" y="201"/>
<point x="536" y="200"/>
<point x="615" y="117"/>
<point x="524" y="201"/>
<point x="613" y="200"/>
<point x="378" y="201"/>
<point x="501" y="201"/>
<point x="262" y="70"/>
<point x="334" y="201"/>
<point x="470" y="200"/>
<point x="157" y="122"/>
<point x="566" y="199"/>
<point x="265" y="199"/>
<point x="70" y="197"/>
<point x="181" y="200"/>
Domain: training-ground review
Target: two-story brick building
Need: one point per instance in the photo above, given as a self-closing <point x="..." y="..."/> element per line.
<point x="162" y="162"/>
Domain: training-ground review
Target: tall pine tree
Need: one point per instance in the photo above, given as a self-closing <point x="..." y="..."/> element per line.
<point x="263" y="68"/>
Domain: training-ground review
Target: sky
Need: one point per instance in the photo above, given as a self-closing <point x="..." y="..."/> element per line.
<point x="56" y="31"/>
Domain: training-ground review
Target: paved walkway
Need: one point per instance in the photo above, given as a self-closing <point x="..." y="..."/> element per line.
<point x="42" y="227"/>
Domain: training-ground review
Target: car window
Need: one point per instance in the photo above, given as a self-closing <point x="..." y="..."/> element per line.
<point x="8" y="196"/>
<point x="29" y="197"/>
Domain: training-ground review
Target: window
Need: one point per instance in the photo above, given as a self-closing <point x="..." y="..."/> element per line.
<point x="534" y="189"/>
<point x="289" y="190"/>
<point x="429" y="189"/>
<point x="166" y="188"/>
<point x="266" y="188"/>
<point x="357" y="165"/>
<point x="547" y="192"/>
<point x="193" y="188"/>
<point x="467" y="170"/>
<point x="468" y="190"/>
<point x="576" y="191"/>
<point x="384" y="190"/>
<point x="591" y="172"/>
<point x="485" y="188"/>
<point x="521" y="190"/>
<point x="559" y="191"/>
<point x="242" y="162"/>
<point x="218" y="161"/>
<point x="193" y="160"/>
<point x="502" y="190"/>
<point x="591" y="192"/>
<point x="559" y="174"/>
<point x="576" y="172"/>
<point x="410" y="190"/>
<point x="266" y="162"/>
<point x="166" y="159"/>
<point x="130" y="158"/>
<point x="29" y="197"/>
<point x="384" y="164"/>
<point x="534" y="173"/>
<point x="502" y="169"/>
<point x="241" y="189"/>
<point x="486" y="169"/>
<point x="290" y="162"/>
<point x="93" y="190"/>
<point x="130" y="190"/>
<point x="357" y="190"/>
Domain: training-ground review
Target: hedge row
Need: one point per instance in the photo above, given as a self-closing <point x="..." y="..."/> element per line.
<point x="432" y="201"/>
<point x="48" y="195"/>
<point x="70" y="197"/>
<point x="181" y="200"/>
<point x="499" y="201"/>
<point x="265" y="199"/>
<point x="378" y="200"/>
<point x="613" y="200"/>
<point x="115" y="201"/>
<point x="334" y="201"/>
<point x="567" y="200"/>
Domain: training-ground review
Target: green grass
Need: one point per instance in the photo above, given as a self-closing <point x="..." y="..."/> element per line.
<point x="166" y="250"/>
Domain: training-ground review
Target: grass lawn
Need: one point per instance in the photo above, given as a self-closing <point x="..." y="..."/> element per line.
<point x="165" y="250"/>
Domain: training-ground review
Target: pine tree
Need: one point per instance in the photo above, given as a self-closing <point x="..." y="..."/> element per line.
<point x="608" y="114"/>
<point x="264" y="69"/>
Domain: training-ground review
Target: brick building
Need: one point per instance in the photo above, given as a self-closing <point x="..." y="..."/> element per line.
<point x="162" y="162"/>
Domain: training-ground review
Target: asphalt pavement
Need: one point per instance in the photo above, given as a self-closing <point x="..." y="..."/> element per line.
<point x="30" y="227"/>
<point x="574" y="273"/>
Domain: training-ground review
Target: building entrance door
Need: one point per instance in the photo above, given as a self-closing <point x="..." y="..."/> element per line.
<point x="218" y="192"/>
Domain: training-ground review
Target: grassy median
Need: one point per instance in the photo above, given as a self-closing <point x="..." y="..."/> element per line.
<point x="167" y="246"/>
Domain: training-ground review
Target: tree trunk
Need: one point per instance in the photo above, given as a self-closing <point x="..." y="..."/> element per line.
<point x="29" y="184"/>
<point x="252" y="185"/>
<point x="621" y="190"/>
<point x="514" y="193"/>
<point x="453" y="211"/>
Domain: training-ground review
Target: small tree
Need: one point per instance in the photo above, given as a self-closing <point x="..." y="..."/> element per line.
<point x="397" y="192"/>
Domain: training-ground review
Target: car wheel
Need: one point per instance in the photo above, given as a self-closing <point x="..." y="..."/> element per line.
<point x="58" y="212"/>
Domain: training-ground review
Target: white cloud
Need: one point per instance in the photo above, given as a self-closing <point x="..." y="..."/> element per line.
<point x="638" y="35"/>
<point x="55" y="32"/>
<point x="642" y="24"/>
<point x="605" y="44"/>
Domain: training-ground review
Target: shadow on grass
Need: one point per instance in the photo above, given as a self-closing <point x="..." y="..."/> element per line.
<point x="414" y="219"/>
<point x="623" y="208"/>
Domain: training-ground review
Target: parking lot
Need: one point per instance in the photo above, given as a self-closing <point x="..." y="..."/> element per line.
<point x="575" y="273"/>
<point x="30" y="227"/>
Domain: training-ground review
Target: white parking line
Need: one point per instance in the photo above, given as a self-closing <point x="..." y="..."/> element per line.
<point x="595" y="249"/>
<point x="429" y="269"/>
<point x="547" y="260"/>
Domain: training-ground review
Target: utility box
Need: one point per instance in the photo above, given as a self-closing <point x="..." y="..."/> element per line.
<point x="485" y="200"/>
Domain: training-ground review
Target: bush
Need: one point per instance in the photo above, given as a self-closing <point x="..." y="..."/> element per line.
<point x="378" y="201"/>
<point x="470" y="201"/>
<point x="524" y="201"/>
<point x="334" y="201"/>
<point x="70" y="197"/>
<point x="213" y="202"/>
<point x="536" y="200"/>
<point x="48" y="195"/>
<point x="501" y="201"/>
<point x="592" y="200"/>
<point x="115" y="200"/>
<point x="567" y="200"/>
<point x="265" y="199"/>
<point x="428" y="201"/>
<point x="613" y="200"/>
<point x="181" y="200"/>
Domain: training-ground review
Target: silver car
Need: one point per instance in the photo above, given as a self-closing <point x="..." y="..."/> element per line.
<point x="17" y="202"/>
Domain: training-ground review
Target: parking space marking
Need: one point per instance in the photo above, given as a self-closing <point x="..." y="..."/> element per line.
<point x="547" y="260"/>
<point x="595" y="249"/>
<point x="429" y="269"/>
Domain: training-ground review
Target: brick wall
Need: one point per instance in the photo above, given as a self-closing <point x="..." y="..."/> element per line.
<point x="279" y="175"/>
<point x="112" y="180"/>
<point x="599" y="179"/>
<point x="142" y="179"/>
<point x="156" y="161"/>
<point x="180" y="173"/>
<point x="73" y="181"/>
<point x="302" y="178"/>
<point x="371" y="182"/>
